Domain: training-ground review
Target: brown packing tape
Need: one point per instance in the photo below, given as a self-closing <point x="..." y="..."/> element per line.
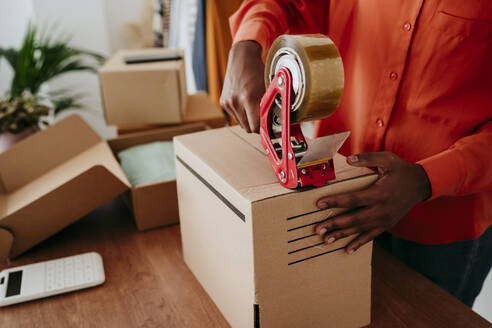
<point x="317" y="72"/>
<point x="6" y="242"/>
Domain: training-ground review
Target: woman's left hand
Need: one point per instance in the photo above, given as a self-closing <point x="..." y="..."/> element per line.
<point x="401" y="185"/>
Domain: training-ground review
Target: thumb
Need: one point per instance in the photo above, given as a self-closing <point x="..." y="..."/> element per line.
<point x="253" y="113"/>
<point x="379" y="159"/>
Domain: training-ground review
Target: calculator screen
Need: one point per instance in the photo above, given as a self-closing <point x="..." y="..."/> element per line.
<point x="14" y="283"/>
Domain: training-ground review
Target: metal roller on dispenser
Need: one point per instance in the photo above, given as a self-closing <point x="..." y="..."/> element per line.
<point x="304" y="81"/>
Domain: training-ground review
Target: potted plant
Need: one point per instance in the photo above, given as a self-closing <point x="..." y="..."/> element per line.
<point x="41" y="58"/>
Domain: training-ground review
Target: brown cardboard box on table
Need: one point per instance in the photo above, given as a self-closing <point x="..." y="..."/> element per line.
<point x="54" y="177"/>
<point x="251" y="243"/>
<point x="199" y="108"/>
<point x="144" y="93"/>
<point x="154" y="204"/>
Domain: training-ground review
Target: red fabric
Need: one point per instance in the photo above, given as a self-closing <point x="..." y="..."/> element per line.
<point x="418" y="82"/>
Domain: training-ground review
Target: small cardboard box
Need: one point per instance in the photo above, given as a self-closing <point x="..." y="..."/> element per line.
<point x="144" y="93"/>
<point x="199" y="108"/>
<point x="54" y="177"/>
<point x="154" y="204"/>
<point x="251" y="243"/>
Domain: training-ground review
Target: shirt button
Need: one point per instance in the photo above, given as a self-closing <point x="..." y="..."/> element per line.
<point x="380" y="123"/>
<point x="407" y="26"/>
<point x="393" y="76"/>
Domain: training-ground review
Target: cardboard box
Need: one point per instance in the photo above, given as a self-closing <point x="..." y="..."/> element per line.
<point x="51" y="179"/>
<point x="154" y="204"/>
<point x="199" y="108"/>
<point x="54" y="177"/>
<point x="251" y="243"/>
<point x="145" y="93"/>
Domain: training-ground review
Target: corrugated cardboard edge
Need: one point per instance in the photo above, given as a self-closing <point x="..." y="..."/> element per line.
<point x="183" y="91"/>
<point x="103" y="101"/>
<point x="6" y="242"/>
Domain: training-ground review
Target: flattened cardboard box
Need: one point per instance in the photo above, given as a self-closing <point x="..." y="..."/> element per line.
<point x="199" y="108"/>
<point x="251" y="243"/>
<point x="144" y="93"/>
<point x="54" y="177"/>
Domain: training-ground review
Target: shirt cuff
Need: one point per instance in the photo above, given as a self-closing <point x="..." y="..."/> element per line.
<point x="446" y="172"/>
<point x="255" y="30"/>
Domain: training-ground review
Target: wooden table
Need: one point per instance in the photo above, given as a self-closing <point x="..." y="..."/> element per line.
<point x="148" y="284"/>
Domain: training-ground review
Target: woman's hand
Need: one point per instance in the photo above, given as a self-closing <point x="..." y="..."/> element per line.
<point x="244" y="85"/>
<point x="401" y="185"/>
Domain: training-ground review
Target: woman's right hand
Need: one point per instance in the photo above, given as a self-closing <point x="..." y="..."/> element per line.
<point x="244" y="85"/>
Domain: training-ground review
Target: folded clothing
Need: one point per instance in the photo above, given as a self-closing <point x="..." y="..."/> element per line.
<point x="148" y="163"/>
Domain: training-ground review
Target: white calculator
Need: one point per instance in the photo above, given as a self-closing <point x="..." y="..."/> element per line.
<point x="39" y="280"/>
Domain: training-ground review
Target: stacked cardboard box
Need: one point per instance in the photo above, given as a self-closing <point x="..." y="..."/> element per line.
<point x="144" y="93"/>
<point x="199" y="109"/>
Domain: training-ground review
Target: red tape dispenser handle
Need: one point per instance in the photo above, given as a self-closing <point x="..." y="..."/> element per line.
<point x="284" y="167"/>
<point x="283" y="160"/>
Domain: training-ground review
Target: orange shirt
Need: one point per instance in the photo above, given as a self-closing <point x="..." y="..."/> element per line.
<point x="418" y="82"/>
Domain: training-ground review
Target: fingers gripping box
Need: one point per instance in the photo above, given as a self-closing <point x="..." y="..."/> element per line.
<point x="251" y="243"/>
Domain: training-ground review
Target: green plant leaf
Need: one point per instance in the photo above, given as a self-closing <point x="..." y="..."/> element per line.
<point x="42" y="56"/>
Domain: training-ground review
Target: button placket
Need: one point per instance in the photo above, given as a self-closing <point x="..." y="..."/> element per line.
<point x="387" y="96"/>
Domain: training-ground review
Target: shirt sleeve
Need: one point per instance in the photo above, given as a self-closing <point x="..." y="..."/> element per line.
<point x="264" y="20"/>
<point x="464" y="168"/>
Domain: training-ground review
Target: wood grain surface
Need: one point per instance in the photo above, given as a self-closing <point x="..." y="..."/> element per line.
<point x="148" y="284"/>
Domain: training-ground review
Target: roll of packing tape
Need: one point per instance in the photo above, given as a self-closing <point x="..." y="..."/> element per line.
<point x="317" y="74"/>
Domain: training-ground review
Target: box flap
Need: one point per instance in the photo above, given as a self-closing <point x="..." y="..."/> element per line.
<point x="239" y="160"/>
<point x="162" y="134"/>
<point x="201" y="108"/>
<point x="62" y="206"/>
<point x="6" y="242"/>
<point x="99" y="155"/>
<point x="117" y="63"/>
<point x="41" y="152"/>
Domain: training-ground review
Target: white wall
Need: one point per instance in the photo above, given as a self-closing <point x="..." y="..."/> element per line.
<point x="86" y="22"/>
<point x="119" y="13"/>
<point x="14" y="16"/>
